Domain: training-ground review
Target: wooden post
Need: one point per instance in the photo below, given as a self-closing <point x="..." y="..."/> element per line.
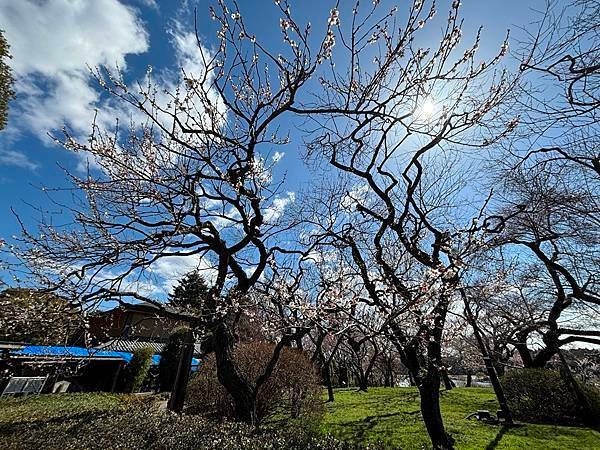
<point x="184" y="368"/>
<point x="113" y="386"/>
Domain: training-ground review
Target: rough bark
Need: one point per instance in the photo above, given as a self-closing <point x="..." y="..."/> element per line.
<point x="240" y="389"/>
<point x="448" y="383"/>
<point x="426" y="375"/>
<point x="328" y="382"/>
<point x="429" y="390"/>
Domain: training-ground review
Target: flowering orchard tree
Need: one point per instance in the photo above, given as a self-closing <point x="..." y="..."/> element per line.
<point x="38" y="317"/>
<point x="389" y="122"/>
<point x="548" y="177"/>
<point x="403" y="125"/>
<point x="190" y="179"/>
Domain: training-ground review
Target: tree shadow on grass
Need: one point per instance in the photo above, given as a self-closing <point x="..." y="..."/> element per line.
<point x="362" y="427"/>
<point x="494" y="443"/>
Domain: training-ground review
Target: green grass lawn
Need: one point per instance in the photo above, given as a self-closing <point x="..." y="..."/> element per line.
<point x="392" y="415"/>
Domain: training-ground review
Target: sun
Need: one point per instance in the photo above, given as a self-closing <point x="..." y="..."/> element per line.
<point x="427" y="109"/>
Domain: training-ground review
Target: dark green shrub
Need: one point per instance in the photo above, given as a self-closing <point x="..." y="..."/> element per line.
<point x="543" y="396"/>
<point x="293" y="390"/>
<point x="169" y="359"/>
<point x="138" y="368"/>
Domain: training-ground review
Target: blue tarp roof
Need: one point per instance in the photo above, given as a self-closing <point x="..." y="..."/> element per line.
<point x="66" y="351"/>
<point x="80" y="352"/>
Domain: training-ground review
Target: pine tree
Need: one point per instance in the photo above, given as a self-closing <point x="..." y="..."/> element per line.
<point x="6" y="81"/>
<point x="190" y="292"/>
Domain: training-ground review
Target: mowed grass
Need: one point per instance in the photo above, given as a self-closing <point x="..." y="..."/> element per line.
<point x="389" y="415"/>
<point x="392" y="416"/>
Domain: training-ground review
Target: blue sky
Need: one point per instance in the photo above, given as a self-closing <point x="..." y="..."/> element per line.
<point x="53" y="42"/>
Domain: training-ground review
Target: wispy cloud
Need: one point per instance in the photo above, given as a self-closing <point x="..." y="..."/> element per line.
<point x="276" y="210"/>
<point x="148" y="3"/>
<point x="15" y="158"/>
<point x="170" y="269"/>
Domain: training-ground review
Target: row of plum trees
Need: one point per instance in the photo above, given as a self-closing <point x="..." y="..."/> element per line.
<point x="447" y="192"/>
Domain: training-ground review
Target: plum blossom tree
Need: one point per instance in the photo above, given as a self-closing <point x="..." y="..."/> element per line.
<point x="392" y="123"/>
<point x="190" y="179"/>
<point x="548" y="175"/>
<point x="38" y="317"/>
<point x="386" y="119"/>
<point x="6" y="81"/>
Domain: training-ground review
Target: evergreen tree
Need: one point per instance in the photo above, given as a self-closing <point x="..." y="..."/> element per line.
<point x="190" y="292"/>
<point x="169" y="359"/>
<point x="138" y="369"/>
<point x="6" y="81"/>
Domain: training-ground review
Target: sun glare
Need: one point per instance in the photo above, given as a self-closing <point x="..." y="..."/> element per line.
<point x="427" y="109"/>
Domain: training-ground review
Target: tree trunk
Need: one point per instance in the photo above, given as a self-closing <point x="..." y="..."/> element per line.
<point x="343" y="375"/>
<point x="328" y="382"/>
<point x="524" y="353"/>
<point x="469" y="379"/>
<point x="363" y="383"/>
<point x="429" y="390"/>
<point x="448" y="384"/>
<point x="543" y="357"/>
<point x="589" y="417"/>
<point x="411" y="380"/>
<point x="365" y="375"/>
<point x="489" y="364"/>
<point x="242" y="393"/>
<point x="299" y="344"/>
<point x="429" y="386"/>
<point x="387" y="382"/>
<point x="500" y="368"/>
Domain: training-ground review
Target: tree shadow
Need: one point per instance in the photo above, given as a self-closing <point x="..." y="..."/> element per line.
<point x="360" y="428"/>
<point x="77" y="419"/>
<point x="369" y="422"/>
<point x="494" y="443"/>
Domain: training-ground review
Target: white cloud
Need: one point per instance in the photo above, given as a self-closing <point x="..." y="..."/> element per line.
<point x="358" y="194"/>
<point x="186" y="48"/>
<point x="170" y="269"/>
<point x="275" y="211"/>
<point x="149" y="3"/>
<point x="53" y="42"/>
<point x="15" y="158"/>
<point x="190" y="57"/>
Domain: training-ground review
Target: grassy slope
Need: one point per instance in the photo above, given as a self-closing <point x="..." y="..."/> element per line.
<point x="392" y="415"/>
